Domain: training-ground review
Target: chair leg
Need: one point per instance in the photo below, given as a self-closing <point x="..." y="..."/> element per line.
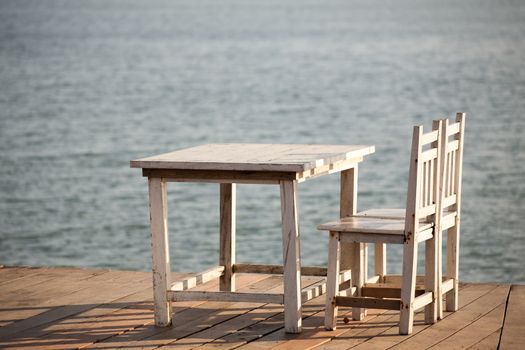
<point x="364" y="262"/>
<point x="358" y="278"/>
<point x="332" y="281"/>
<point x="408" y="287"/>
<point x="380" y="260"/>
<point x="431" y="278"/>
<point x="439" y="277"/>
<point x="452" y="267"/>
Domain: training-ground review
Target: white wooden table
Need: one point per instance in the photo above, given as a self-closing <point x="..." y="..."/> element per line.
<point x="285" y="165"/>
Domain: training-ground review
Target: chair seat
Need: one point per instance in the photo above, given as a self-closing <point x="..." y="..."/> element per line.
<point x="364" y="224"/>
<point x="383" y="213"/>
<point x="448" y="219"/>
<point x="375" y="230"/>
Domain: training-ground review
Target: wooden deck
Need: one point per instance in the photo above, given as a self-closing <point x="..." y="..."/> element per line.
<point x="65" y="308"/>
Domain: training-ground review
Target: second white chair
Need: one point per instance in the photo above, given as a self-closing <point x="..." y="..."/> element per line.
<point x="422" y="216"/>
<point x="452" y="143"/>
<point x="433" y="205"/>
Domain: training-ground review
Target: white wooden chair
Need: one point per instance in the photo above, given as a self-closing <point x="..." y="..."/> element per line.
<point x="422" y="217"/>
<point x="450" y="199"/>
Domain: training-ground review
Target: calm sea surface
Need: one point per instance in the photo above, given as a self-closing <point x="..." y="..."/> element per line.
<point x="85" y="86"/>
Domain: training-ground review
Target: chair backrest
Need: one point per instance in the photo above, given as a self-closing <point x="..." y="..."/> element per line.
<point x="451" y="167"/>
<point x="423" y="195"/>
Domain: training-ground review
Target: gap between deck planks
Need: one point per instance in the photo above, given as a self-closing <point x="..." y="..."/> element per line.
<point x="48" y="308"/>
<point x="92" y="330"/>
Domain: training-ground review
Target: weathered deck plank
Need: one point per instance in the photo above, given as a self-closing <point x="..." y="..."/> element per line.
<point x="513" y="336"/>
<point x="36" y="288"/>
<point x="456" y="321"/>
<point x="186" y="321"/>
<point x="116" y="323"/>
<point x="471" y="334"/>
<point x="55" y="308"/>
<point x="255" y="312"/>
<point x="378" y="323"/>
<point x="77" y="297"/>
<point x="490" y="342"/>
<point x="386" y="333"/>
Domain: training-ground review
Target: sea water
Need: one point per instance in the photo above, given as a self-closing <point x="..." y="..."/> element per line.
<point x="86" y="86"/>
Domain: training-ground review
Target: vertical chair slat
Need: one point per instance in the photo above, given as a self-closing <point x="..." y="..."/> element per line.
<point x="448" y="176"/>
<point x="443" y="184"/>
<point x="430" y="182"/>
<point x="408" y="285"/>
<point x="453" y="171"/>
<point x="452" y="266"/>
<point x="432" y="246"/>
<point x="451" y="183"/>
<point x="423" y="185"/>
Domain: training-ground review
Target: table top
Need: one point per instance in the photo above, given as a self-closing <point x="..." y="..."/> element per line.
<point x="253" y="157"/>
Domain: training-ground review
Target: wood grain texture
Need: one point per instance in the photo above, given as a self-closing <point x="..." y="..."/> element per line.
<point x="386" y="333"/>
<point x="410" y="246"/>
<point x="358" y="277"/>
<point x="380" y="260"/>
<point x="338" y="166"/>
<point x="383" y="213"/>
<point x="386" y="290"/>
<point x="277" y="269"/>
<point x="513" y="336"/>
<point x="228" y="202"/>
<point x="369" y="225"/>
<point x="226" y="296"/>
<point x="291" y="257"/>
<point x="197" y="279"/>
<point x="158" y="209"/>
<point x="189" y="317"/>
<point x="221" y="176"/>
<point x="254" y="157"/>
<point x="107" y="312"/>
<point x="460" y="319"/>
<point x="332" y="282"/>
<point x="347" y="207"/>
<point x="453" y="237"/>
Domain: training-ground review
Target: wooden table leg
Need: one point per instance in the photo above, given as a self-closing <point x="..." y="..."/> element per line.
<point x="158" y="208"/>
<point x="227" y="236"/>
<point x="291" y="258"/>
<point x="353" y="255"/>
<point x="380" y="261"/>
<point x="347" y="207"/>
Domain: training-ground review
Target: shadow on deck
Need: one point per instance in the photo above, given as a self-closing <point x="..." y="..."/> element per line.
<point x="66" y="308"/>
